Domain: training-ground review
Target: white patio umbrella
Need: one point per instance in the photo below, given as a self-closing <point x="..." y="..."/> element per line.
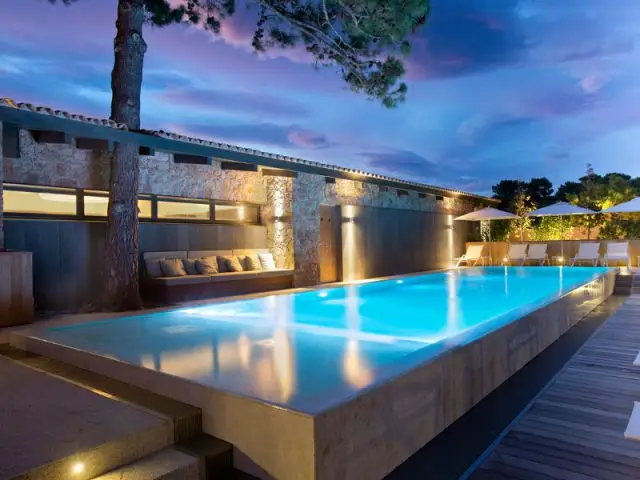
<point x="487" y="214"/>
<point x="560" y="209"/>
<point x="632" y="206"/>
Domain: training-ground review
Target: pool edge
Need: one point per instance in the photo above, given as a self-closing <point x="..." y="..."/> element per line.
<point x="369" y="435"/>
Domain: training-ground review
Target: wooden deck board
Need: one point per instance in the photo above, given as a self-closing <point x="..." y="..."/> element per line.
<point x="575" y="428"/>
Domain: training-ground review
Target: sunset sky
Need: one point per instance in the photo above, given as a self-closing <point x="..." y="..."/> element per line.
<point x="497" y="88"/>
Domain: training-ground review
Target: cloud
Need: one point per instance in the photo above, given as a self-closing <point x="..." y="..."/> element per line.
<point x="233" y="101"/>
<point x="266" y="134"/>
<point x="403" y="163"/>
<point x="463" y="37"/>
<point x="307" y="139"/>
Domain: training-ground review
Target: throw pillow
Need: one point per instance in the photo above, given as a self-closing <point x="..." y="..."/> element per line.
<point x="153" y="267"/>
<point x="252" y="263"/>
<point x="232" y="264"/>
<point x="207" y="265"/>
<point x="267" y="261"/>
<point x="190" y="266"/>
<point x="172" y="267"/>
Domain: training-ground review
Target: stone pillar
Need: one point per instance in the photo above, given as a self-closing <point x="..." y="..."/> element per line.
<point x="1" y="195"/>
<point x="308" y="195"/>
<point x="277" y="215"/>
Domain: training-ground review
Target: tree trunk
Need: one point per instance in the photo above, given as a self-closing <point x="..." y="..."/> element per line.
<point x="121" y="290"/>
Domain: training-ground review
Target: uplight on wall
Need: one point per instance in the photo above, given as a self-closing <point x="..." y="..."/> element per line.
<point x="349" y="238"/>
<point x="450" y="238"/>
<point x="77" y="468"/>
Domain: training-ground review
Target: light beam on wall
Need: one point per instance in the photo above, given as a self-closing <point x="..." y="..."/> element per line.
<point x="349" y="239"/>
<point x="450" y="247"/>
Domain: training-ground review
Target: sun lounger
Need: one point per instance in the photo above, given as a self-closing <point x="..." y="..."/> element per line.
<point x="517" y="254"/>
<point x="472" y="257"/>
<point x="617" y="252"/>
<point x="588" y="252"/>
<point x="537" y="253"/>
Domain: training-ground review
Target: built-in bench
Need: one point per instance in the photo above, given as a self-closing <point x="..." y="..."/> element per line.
<point x="156" y="286"/>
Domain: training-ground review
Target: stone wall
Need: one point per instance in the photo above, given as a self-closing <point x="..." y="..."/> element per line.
<point x="62" y="165"/>
<point x="290" y="206"/>
<point x="277" y="214"/>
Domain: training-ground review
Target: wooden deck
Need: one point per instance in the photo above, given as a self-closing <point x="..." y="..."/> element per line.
<point x="574" y="430"/>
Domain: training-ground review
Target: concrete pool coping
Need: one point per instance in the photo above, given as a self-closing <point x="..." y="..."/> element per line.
<point x="373" y="432"/>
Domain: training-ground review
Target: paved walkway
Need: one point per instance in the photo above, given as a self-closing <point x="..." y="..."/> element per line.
<point x="574" y="430"/>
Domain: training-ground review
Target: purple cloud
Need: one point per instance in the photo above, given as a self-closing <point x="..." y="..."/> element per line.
<point x="401" y="163"/>
<point x="233" y="101"/>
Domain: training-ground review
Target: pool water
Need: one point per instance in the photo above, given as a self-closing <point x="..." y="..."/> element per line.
<point x="308" y="350"/>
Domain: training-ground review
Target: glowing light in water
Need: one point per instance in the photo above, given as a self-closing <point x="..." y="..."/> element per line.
<point x="355" y="369"/>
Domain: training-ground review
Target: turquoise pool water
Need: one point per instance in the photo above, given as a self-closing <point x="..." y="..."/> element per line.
<point x="308" y="350"/>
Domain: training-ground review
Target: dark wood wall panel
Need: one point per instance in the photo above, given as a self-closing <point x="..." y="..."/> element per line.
<point x="67" y="254"/>
<point x="380" y="241"/>
<point x="330" y="244"/>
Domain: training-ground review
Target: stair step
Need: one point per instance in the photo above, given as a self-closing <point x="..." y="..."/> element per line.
<point x="187" y="420"/>
<point x="168" y="464"/>
<point x="216" y="454"/>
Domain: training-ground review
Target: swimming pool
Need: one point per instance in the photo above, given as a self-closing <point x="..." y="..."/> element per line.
<point x="310" y="351"/>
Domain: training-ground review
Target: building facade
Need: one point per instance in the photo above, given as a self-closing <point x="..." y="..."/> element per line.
<point x="53" y="184"/>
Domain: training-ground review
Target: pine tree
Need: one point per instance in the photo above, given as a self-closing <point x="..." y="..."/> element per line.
<point x="363" y="39"/>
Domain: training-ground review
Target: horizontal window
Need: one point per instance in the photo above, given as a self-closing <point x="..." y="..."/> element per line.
<point x="170" y="210"/>
<point x="236" y="213"/>
<point x="97" y="205"/>
<point x="34" y="200"/>
<point x="39" y="203"/>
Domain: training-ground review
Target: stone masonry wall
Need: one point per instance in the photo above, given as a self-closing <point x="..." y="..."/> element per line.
<point x="277" y="215"/>
<point x="62" y="165"/>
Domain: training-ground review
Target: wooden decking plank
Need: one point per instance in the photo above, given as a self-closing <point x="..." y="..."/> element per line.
<point x="618" y="464"/>
<point x="579" y="464"/>
<point x="575" y="429"/>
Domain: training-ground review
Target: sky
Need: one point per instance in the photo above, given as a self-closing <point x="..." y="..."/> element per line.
<point x="497" y="88"/>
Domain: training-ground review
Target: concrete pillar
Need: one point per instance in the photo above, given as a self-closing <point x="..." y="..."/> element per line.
<point x="277" y="215"/>
<point x="308" y="195"/>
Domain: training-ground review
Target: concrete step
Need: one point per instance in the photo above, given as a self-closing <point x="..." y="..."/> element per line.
<point x="168" y="464"/>
<point x="216" y="455"/>
<point x="80" y="424"/>
<point x="186" y="419"/>
<point x="55" y="430"/>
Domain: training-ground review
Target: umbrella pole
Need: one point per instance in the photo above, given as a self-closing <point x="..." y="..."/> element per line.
<point x="490" y="246"/>
<point x="562" y="240"/>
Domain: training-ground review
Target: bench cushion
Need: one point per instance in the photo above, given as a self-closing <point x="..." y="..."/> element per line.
<point x="230" y="276"/>
<point x="274" y="273"/>
<point x="184" y="280"/>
